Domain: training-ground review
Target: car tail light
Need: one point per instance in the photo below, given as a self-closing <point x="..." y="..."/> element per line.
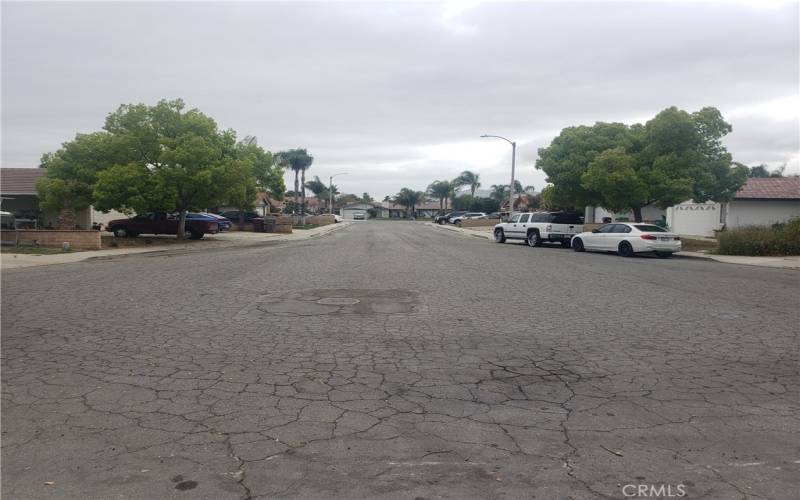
<point x="677" y="238"/>
<point x="549" y="227"/>
<point x="648" y="237"/>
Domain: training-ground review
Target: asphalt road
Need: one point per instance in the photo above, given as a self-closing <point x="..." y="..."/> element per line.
<point x="399" y="360"/>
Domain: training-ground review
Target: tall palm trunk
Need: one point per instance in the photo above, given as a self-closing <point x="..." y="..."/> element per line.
<point x="303" y="198"/>
<point x="296" y="188"/>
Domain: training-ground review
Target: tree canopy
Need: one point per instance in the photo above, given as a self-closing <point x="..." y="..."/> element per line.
<point x="673" y="157"/>
<point x="157" y="158"/>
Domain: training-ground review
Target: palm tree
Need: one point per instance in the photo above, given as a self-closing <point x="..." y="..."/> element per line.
<point x="387" y="198"/>
<point x="440" y="190"/>
<point x="408" y="198"/>
<point x="499" y="192"/>
<point x="530" y="189"/>
<point x="471" y="179"/>
<point x="299" y="161"/>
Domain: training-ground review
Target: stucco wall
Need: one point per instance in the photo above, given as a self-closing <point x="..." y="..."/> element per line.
<point x="649" y="213"/>
<point x="742" y="213"/>
<point x="695" y="219"/>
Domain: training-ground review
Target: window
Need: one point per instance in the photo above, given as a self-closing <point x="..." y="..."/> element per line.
<point x="524" y="217"/>
<point x="567" y="218"/>
<point x="649" y="228"/>
<point x="514" y="218"/>
<point x="604" y="229"/>
<point x="621" y="228"/>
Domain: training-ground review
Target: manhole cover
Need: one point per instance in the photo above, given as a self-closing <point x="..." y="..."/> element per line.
<point x="338" y="301"/>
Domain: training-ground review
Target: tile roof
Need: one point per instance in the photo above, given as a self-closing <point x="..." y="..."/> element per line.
<point x="770" y="188"/>
<point x="19" y="180"/>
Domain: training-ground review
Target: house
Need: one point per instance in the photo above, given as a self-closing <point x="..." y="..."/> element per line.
<point x="760" y="202"/>
<point x="391" y="210"/>
<point x="264" y="204"/>
<point x="600" y="215"/>
<point x="349" y="210"/>
<point x="18" y="195"/>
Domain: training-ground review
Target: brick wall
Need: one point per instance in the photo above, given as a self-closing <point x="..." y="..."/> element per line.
<point x="79" y="240"/>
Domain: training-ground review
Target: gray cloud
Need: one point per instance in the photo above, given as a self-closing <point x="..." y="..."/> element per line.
<point x="397" y="94"/>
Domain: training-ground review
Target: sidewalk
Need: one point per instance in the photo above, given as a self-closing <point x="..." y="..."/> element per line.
<point x="232" y="239"/>
<point x="790" y="262"/>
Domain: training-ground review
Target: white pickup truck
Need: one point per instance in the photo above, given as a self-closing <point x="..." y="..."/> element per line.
<point x="536" y="227"/>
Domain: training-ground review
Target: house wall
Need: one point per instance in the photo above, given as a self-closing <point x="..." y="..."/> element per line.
<point x="695" y="219"/>
<point x="741" y="213"/>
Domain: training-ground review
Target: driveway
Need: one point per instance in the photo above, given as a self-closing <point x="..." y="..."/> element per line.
<point x="396" y="360"/>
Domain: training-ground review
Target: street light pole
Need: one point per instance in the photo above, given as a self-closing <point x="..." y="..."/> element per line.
<point x="513" y="165"/>
<point x="330" y="191"/>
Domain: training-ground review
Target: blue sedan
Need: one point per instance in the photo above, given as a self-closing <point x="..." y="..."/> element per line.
<point x="224" y="224"/>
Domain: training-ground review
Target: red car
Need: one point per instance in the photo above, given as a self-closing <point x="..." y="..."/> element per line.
<point x="161" y="223"/>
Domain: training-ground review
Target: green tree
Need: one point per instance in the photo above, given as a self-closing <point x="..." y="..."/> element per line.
<point x="442" y="191"/>
<point x="175" y="160"/>
<point x="762" y="171"/>
<point x="299" y="161"/>
<point x="366" y="198"/>
<point x="471" y="179"/>
<point x="268" y="174"/>
<point x="408" y="198"/>
<point x="72" y="172"/>
<point x="673" y="157"/>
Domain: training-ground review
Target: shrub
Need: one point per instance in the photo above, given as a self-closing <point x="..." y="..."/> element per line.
<point x="779" y="239"/>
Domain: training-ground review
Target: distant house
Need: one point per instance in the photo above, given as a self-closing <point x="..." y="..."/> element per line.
<point x="18" y="195"/>
<point x="390" y="210"/>
<point x="349" y="210"/>
<point x="760" y="202"/>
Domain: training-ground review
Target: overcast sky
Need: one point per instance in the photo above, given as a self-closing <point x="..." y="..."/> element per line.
<point x="397" y="94"/>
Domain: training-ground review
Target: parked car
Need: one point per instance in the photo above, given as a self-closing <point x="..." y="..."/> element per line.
<point x="359" y="216"/>
<point x="233" y="215"/>
<point x="469" y="215"/>
<point x="162" y="223"/>
<point x="224" y="223"/>
<point x="628" y="239"/>
<point x="493" y="215"/>
<point x="446" y="218"/>
<point x="337" y="218"/>
<point x="536" y="227"/>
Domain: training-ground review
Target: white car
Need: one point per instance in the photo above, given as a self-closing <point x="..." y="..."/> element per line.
<point x="469" y="215"/>
<point x="628" y="239"/>
<point x="359" y="216"/>
<point x="337" y="218"/>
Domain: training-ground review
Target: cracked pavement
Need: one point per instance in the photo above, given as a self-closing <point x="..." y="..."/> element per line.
<point x="395" y="360"/>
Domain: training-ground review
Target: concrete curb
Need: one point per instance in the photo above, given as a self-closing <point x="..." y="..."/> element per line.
<point x="89" y="255"/>
<point x="460" y="230"/>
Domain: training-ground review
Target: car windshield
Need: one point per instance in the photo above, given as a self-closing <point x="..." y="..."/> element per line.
<point x="649" y="228"/>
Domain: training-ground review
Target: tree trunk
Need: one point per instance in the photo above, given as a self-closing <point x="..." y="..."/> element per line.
<point x="296" y="188"/>
<point x="182" y="225"/>
<point x="66" y="219"/>
<point x="637" y="214"/>
<point x="303" y="198"/>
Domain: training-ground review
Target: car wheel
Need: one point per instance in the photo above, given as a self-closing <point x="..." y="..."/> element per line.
<point x="577" y="245"/>
<point x="663" y="255"/>
<point x="625" y="249"/>
<point x="533" y="239"/>
<point x="120" y="232"/>
<point x="442" y="222"/>
<point x="458" y="223"/>
<point x="195" y="235"/>
<point x="499" y="236"/>
<point x="565" y="243"/>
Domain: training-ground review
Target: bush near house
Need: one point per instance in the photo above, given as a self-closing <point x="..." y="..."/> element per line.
<point x="779" y="239"/>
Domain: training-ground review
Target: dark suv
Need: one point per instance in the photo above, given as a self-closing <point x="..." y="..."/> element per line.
<point x="446" y="218"/>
